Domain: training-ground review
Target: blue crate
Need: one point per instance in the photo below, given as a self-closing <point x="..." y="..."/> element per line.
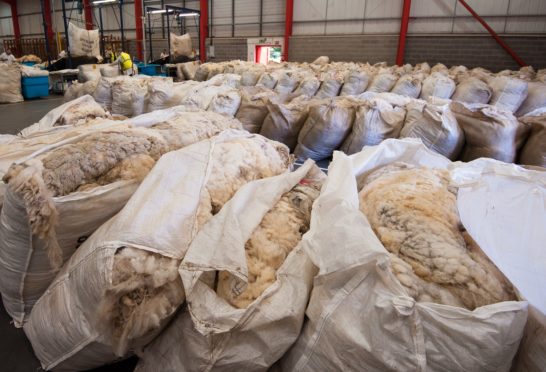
<point x="35" y="86"/>
<point x="28" y="63"/>
<point x="150" y="70"/>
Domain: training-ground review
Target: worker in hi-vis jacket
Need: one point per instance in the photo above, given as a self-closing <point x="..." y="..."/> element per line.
<point x="124" y="62"/>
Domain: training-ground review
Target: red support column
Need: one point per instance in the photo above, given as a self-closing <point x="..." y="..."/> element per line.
<point x="49" y="28"/>
<point x="203" y="29"/>
<point x="139" y="28"/>
<point x="494" y="34"/>
<point x="88" y="15"/>
<point x="403" y="32"/>
<point x="16" y="29"/>
<point x="288" y="22"/>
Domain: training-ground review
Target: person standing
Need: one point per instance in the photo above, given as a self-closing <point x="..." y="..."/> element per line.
<point x="7" y="56"/>
<point x="125" y="62"/>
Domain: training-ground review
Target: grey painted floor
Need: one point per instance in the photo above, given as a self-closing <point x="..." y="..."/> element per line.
<point x="16" y="353"/>
<point x="16" y="116"/>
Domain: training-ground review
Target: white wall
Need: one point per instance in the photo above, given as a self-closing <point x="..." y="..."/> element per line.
<point x="432" y="16"/>
<point x="6" y="26"/>
<point x="311" y="17"/>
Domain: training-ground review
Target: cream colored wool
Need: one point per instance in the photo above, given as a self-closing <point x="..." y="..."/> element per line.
<point x="81" y="114"/>
<point x="69" y="166"/>
<point x="414" y="213"/>
<point x="135" y="167"/>
<point x="146" y="287"/>
<point x="99" y="159"/>
<point x="239" y="162"/>
<point x="277" y="235"/>
<point x="421" y="290"/>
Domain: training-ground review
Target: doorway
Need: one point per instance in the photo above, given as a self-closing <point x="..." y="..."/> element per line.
<point x="267" y="53"/>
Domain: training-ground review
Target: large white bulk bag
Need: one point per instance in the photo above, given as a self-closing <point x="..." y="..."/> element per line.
<point x="181" y="45"/>
<point x="408" y="85"/>
<point x="472" y="90"/>
<point x="375" y="121"/>
<point x="436" y="126"/>
<point x="276" y="315"/>
<point x="88" y="72"/>
<point x="329" y="88"/>
<point x="287" y="83"/>
<point x="18" y="148"/>
<point x="361" y="318"/>
<point x="41" y="231"/>
<point x="129" y="96"/>
<point x="458" y="72"/>
<point x="308" y="86"/>
<point x="422" y="67"/>
<point x="285" y="120"/>
<point x="202" y="95"/>
<point x="534" y="150"/>
<point x="267" y="80"/>
<point x="355" y="83"/>
<point x="489" y="131"/>
<point x="508" y="93"/>
<point x="226" y="103"/>
<point x="10" y="83"/>
<point x="439" y="68"/>
<point x="382" y="82"/>
<point x="187" y="69"/>
<point x="83" y="42"/>
<point x="176" y="194"/>
<point x="103" y="92"/>
<point x="251" y="76"/>
<point x="253" y="110"/>
<point x="536" y="98"/>
<point x="202" y="72"/>
<point x="163" y="93"/>
<point x="230" y="80"/>
<point x="328" y="124"/>
<point x="215" y="69"/>
<point x="76" y="112"/>
<point x="437" y="85"/>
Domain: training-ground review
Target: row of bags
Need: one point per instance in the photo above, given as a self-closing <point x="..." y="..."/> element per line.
<point x="333" y="304"/>
<point x="315" y="127"/>
<point x="477" y="86"/>
<point x="132" y="96"/>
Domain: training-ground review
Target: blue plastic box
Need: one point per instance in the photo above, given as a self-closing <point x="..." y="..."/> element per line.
<point x="35" y="86"/>
<point x="28" y="63"/>
<point x="150" y="69"/>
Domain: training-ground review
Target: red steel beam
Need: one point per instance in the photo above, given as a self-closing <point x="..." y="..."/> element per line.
<point x="203" y="29"/>
<point x="494" y="34"/>
<point x="403" y="32"/>
<point x="88" y="15"/>
<point x="139" y="29"/>
<point x="15" y="21"/>
<point x="288" y="22"/>
<point x="49" y="28"/>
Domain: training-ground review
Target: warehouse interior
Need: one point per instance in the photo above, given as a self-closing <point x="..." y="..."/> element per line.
<point x="273" y="185"/>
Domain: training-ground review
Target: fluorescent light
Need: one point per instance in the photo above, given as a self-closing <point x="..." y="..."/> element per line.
<point x="188" y="14"/>
<point x="161" y="11"/>
<point x="104" y="1"/>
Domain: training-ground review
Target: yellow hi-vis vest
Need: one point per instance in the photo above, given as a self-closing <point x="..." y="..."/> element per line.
<point x="125" y="61"/>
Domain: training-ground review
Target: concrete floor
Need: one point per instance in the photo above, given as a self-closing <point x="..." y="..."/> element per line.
<point x="16" y="353"/>
<point x="16" y="116"/>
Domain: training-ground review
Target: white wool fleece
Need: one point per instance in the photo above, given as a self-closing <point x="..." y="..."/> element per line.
<point x="413" y="211"/>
